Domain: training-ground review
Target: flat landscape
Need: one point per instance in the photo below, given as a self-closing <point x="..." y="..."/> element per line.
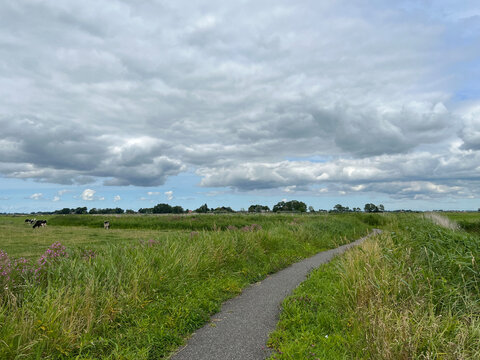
<point x="136" y="291"/>
<point x="75" y="290"/>
<point x="176" y="154"/>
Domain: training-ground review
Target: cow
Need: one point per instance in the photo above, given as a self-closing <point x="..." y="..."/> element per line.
<point x="31" y="221"/>
<point x="106" y="225"/>
<point x="39" y="223"/>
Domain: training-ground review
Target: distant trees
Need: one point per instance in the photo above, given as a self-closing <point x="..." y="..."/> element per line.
<point x="177" y="209"/>
<point x="338" y="208"/>
<point x="372" y="208"/>
<point x="80" y="210"/>
<point x="167" y="209"/>
<point x="291" y="206"/>
<point x="83" y="210"/>
<point x="106" y="211"/>
<point x="258" y="208"/>
<point x="64" y="211"/>
<point x="223" y="209"/>
<point x="145" y="210"/>
<point x="282" y="206"/>
<point x="343" y="209"/>
<point x="202" y="209"/>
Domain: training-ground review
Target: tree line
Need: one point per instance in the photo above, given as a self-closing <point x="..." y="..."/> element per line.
<point x="282" y="206"/>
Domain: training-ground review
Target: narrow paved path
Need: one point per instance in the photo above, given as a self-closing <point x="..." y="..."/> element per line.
<point x="240" y="330"/>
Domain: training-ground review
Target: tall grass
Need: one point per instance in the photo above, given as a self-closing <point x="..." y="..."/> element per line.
<point x="174" y="222"/>
<point x="139" y="300"/>
<point x="468" y="221"/>
<point x="412" y="293"/>
<point x="442" y="221"/>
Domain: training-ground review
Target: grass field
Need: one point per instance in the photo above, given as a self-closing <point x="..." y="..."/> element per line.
<point x="411" y="293"/>
<point x="469" y="222"/>
<point x="136" y="291"/>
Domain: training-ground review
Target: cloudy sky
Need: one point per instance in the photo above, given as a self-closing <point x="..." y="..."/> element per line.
<point x="119" y="103"/>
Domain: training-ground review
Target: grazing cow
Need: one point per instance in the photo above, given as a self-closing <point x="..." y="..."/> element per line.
<point x="27" y="220"/>
<point x="106" y="225"/>
<point x="39" y="223"/>
<point x="31" y="221"/>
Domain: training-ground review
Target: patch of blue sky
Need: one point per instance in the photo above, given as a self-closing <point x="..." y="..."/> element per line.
<point x="314" y="159"/>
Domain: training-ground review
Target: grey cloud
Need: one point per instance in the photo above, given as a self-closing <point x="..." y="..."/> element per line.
<point x="403" y="176"/>
<point x="135" y="93"/>
<point x="470" y="133"/>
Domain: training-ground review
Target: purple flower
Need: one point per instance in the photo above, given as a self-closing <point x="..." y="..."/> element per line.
<point x="88" y="254"/>
<point x="50" y="256"/>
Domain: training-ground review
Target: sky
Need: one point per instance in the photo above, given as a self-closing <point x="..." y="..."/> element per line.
<point x="129" y="104"/>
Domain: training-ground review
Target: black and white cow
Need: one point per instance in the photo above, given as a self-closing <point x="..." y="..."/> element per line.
<point x="39" y="223"/>
<point x="106" y="225"/>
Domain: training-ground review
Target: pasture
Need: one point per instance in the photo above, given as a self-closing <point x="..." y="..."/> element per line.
<point x="137" y="290"/>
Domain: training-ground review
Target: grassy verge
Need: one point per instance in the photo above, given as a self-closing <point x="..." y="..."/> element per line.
<point x="139" y="299"/>
<point x="412" y="293"/>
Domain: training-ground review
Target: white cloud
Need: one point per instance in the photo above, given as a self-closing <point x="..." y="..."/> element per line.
<point x="117" y="198"/>
<point x="242" y="88"/>
<point x="169" y="195"/>
<point x="88" y="195"/>
<point x="56" y="198"/>
<point x="36" y="196"/>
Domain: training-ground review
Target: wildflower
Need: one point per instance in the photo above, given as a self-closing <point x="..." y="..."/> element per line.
<point x="88" y="254"/>
<point x="22" y="266"/>
<point x="253" y="227"/>
<point x="51" y="255"/>
<point x="5" y="267"/>
<point x="152" y="242"/>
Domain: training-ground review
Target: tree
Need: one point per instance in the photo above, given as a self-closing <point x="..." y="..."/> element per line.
<point x="311" y="209"/>
<point x="80" y="210"/>
<point x="224" y="209"/>
<point x="338" y="208"/>
<point x="258" y="208"/>
<point x="202" y="209"/>
<point x="280" y="206"/>
<point x="145" y="210"/>
<point x="370" y="208"/>
<point x="292" y="206"/>
<point x="177" y="210"/>
<point x="64" y="211"/>
<point x="162" y="209"/>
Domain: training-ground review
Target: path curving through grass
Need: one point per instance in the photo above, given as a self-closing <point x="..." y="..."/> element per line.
<point x="240" y="331"/>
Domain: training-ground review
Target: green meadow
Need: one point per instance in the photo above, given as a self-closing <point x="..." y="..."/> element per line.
<point x="411" y="293"/>
<point x="138" y="290"/>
